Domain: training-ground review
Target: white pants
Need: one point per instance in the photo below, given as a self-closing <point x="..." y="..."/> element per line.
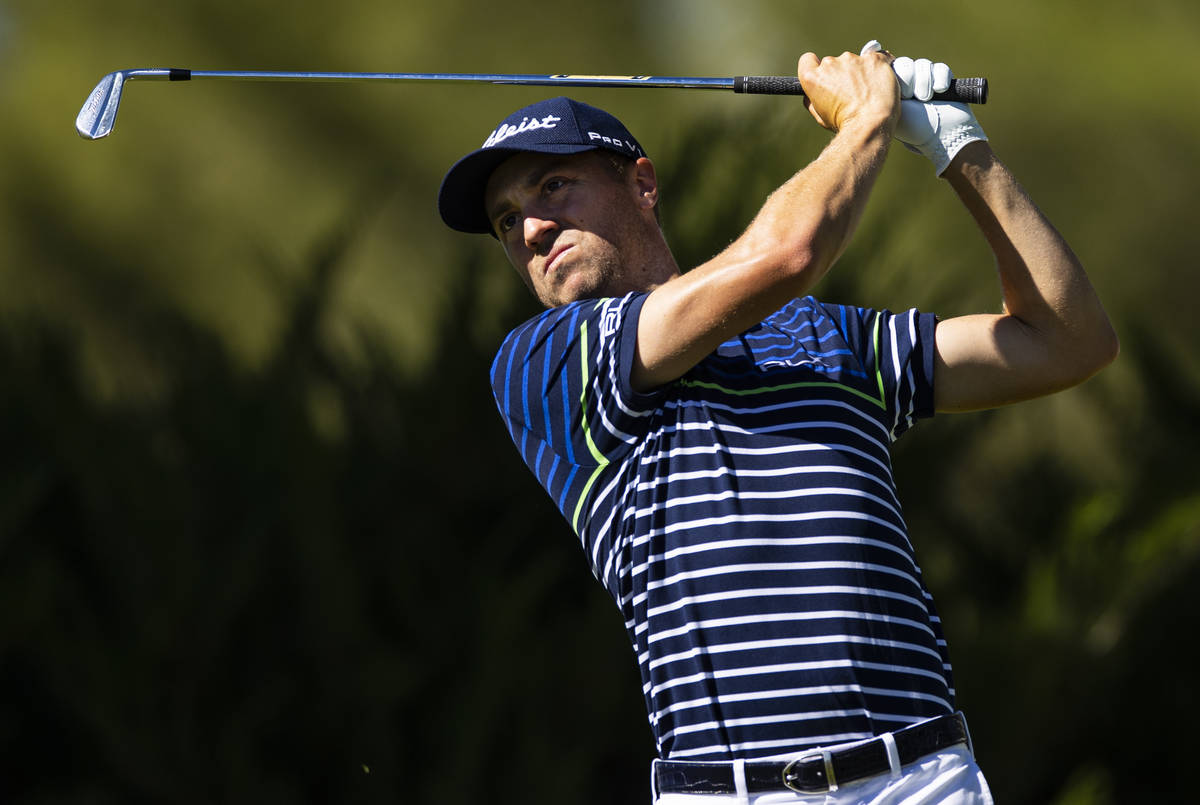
<point x="946" y="777"/>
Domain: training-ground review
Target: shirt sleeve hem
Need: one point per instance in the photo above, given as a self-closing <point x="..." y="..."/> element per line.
<point x="923" y="393"/>
<point x="638" y="400"/>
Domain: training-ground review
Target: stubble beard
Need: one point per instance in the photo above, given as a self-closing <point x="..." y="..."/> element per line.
<point x="593" y="276"/>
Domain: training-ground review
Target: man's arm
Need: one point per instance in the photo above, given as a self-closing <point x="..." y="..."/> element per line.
<point x="797" y="235"/>
<point x="1053" y="332"/>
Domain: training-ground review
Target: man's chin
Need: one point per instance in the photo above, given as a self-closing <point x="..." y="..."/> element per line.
<point x="573" y="290"/>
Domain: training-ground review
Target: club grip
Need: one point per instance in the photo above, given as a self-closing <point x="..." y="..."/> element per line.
<point x="962" y="90"/>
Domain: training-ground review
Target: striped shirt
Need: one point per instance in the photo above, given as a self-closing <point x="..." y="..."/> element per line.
<point x="744" y="517"/>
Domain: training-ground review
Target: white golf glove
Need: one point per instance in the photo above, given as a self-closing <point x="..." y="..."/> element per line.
<point x="935" y="129"/>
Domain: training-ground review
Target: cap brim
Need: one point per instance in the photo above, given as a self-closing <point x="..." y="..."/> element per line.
<point x="460" y="198"/>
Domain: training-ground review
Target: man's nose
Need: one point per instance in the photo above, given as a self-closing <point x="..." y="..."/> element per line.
<point x="536" y="230"/>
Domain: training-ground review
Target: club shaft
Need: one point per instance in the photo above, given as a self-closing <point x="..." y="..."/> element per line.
<point x="98" y="115"/>
<point x="965" y="90"/>
<point x="684" y="82"/>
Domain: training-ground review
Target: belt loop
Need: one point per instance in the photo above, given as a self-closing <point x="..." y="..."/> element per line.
<point x="654" y="778"/>
<point x="893" y="754"/>
<point x="739" y="782"/>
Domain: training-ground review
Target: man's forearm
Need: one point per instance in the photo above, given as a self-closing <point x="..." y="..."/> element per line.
<point x="1054" y="332"/>
<point x="808" y="222"/>
<point x="1043" y="282"/>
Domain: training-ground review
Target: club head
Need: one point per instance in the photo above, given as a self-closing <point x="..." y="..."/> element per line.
<point x="99" y="113"/>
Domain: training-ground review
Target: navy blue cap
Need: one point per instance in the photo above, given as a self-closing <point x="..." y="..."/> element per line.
<point x="555" y="126"/>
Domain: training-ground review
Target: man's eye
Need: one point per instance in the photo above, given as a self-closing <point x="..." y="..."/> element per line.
<point x="507" y="222"/>
<point x="554" y="184"/>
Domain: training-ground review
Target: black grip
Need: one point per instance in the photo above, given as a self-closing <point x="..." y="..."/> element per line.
<point x="767" y="85"/>
<point x="962" y="90"/>
<point x="176" y="74"/>
<point x="965" y="90"/>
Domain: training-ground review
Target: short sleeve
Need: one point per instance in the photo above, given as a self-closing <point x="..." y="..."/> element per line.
<point x="562" y="385"/>
<point x="896" y="350"/>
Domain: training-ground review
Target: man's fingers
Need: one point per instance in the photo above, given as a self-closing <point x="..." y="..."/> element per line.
<point x="903" y="67"/>
<point x="922" y="79"/>
<point x="874" y="47"/>
<point x="805" y="67"/>
<point x="941" y="77"/>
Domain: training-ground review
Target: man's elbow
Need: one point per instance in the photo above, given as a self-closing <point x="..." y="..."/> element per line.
<point x="1103" y="341"/>
<point x="1110" y="346"/>
<point x="1107" y="350"/>
<point x="1093" y="351"/>
<point x="801" y="260"/>
<point x="803" y="263"/>
<point x="800" y="248"/>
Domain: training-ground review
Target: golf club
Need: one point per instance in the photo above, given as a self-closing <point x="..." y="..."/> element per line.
<point x="99" y="113"/>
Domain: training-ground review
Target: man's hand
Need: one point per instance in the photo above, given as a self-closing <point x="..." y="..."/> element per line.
<point x="847" y="89"/>
<point x="937" y="130"/>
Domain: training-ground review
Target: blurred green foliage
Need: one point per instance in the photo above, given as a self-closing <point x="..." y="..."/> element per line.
<point x="262" y="536"/>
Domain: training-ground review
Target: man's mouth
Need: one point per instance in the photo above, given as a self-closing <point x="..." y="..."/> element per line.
<point x="555" y="256"/>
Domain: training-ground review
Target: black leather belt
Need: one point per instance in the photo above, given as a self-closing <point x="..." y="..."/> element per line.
<point x="815" y="771"/>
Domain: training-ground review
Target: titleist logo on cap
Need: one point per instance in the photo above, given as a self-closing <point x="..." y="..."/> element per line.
<point x="506" y="130"/>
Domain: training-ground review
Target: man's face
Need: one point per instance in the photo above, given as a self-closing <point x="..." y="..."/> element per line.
<point x="568" y="223"/>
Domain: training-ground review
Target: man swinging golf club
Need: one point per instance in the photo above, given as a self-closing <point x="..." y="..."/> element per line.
<point x="718" y="439"/>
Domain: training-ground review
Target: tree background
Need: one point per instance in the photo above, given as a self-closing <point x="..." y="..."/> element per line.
<point x="262" y="535"/>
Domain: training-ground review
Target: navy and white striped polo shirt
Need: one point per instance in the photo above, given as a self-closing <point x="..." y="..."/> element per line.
<point x="744" y="518"/>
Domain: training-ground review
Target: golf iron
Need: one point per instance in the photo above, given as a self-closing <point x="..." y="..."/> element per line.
<point x="99" y="113"/>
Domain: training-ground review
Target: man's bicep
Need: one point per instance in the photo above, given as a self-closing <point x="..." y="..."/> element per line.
<point x="984" y="361"/>
<point x="671" y="334"/>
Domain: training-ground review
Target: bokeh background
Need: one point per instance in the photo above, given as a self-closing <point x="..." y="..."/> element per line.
<point x="262" y="536"/>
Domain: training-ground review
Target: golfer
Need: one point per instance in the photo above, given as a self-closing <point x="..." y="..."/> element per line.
<point x="719" y="440"/>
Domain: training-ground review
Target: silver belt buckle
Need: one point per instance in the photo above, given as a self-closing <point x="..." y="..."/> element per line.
<point x="789" y="776"/>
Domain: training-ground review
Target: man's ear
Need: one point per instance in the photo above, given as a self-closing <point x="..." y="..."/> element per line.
<point x="646" y="181"/>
